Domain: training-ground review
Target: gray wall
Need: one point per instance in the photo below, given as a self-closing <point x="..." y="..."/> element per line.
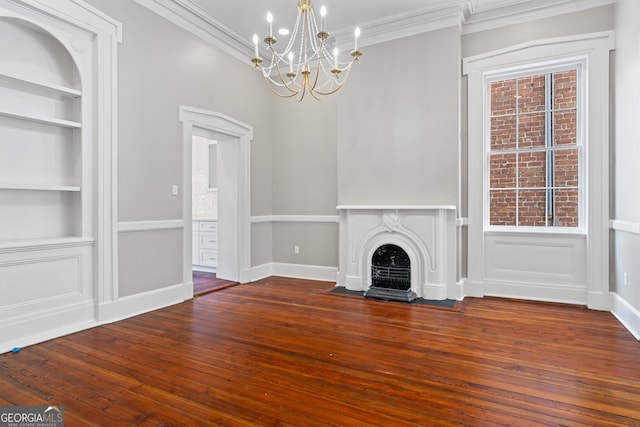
<point x="151" y="252"/>
<point x="387" y="138"/>
<point x="627" y="149"/>
<point x="305" y="179"/>
<point x="161" y="66"/>
<point x="398" y="123"/>
<point x="304" y="156"/>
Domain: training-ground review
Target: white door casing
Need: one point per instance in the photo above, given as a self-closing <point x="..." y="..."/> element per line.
<point x="234" y="229"/>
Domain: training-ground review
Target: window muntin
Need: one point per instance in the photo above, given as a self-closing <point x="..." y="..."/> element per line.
<point x="534" y="154"/>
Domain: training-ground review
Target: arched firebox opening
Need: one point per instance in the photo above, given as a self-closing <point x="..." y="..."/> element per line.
<point x="391" y="275"/>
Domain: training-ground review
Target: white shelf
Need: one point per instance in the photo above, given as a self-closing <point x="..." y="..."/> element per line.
<point x="43" y="120"/>
<point x="70" y="188"/>
<point x="7" y="246"/>
<point x="58" y="89"/>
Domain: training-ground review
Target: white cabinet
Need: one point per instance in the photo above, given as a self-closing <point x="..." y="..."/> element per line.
<point x="204" y="246"/>
<point x="195" y="243"/>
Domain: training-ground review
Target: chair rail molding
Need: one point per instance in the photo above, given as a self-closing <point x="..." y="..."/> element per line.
<point x="295" y="218"/>
<point x="167" y="224"/>
<point x="625" y="226"/>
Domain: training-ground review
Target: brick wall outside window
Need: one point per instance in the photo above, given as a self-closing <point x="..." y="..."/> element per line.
<point x="533" y="156"/>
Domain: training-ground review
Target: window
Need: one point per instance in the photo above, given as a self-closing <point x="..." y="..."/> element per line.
<point x="534" y="154"/>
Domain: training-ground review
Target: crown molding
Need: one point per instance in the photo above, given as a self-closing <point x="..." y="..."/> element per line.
<point x="436" y="16"/>
<point x="482" y="19"/>
<point x="465" y="14"/>
<point x="191" y="17"/>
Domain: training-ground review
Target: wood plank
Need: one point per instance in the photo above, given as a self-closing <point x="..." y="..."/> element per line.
<point x="286" y="352"/>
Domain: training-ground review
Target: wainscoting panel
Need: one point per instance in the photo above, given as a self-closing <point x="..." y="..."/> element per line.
<point x="32" y="281"/>
<point x="538" y="267"/>
<point x="44" y="290"/>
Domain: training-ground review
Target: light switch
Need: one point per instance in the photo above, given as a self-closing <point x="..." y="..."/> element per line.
<point x="174" y="190"/>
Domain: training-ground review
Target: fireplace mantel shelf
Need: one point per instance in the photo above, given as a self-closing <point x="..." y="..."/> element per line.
<point x="396" y="207"/>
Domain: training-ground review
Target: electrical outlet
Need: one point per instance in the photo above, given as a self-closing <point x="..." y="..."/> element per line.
<point x="296" y="249"/>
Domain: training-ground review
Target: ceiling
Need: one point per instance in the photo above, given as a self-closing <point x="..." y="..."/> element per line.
<point x="231" y="24"/>
<point x="247" y="17"/>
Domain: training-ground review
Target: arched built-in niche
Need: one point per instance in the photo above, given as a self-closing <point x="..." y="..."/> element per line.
<point x="57" y="163"/>
<point x="41" y="145"/>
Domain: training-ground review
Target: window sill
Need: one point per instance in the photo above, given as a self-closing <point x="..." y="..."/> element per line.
<point x="537" y="232"/>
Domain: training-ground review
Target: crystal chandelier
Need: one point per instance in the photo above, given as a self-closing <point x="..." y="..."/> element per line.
<point x="305" y="65"/>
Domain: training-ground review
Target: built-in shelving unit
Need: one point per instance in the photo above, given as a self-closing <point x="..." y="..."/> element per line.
<point x="58" y="272"/>
<point x="43" y="120"/>
<point x="39" y="187"/>
<point x="40" y="139"/>
<point x="41" y="85"/>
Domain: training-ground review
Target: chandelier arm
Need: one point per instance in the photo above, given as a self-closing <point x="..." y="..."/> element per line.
<point x="282" y="80"/>
<point x="304" y="90"/>
<point x="307" y="84"/>
<point x="270" y="86"/>
<point x="314" y="94"/>
<point x="339" y="85"/>
<point x="315" y="81"/>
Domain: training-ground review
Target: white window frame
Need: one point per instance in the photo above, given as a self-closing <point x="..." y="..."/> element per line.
<point x="593" y="263"/>
<point x="523" y="70"/>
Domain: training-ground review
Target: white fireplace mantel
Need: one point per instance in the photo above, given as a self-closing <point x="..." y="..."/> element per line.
<point x="426" y="233"/>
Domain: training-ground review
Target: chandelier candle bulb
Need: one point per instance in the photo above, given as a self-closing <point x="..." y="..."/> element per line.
<point x="290" y="62"/>
<point x="255" y="43"/>
<point x="323" y="14"/>
<point x="270" y="21"/>
<point x="357" y="34"/>
<point x="336" y="52"/>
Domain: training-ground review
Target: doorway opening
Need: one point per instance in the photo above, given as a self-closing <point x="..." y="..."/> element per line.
<point x="204" y="213"/>
<point x="223" y="242"/>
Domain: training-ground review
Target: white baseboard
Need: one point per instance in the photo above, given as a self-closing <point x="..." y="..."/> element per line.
<point x="536" y="292"/>
<point x="143" y="303"/>
<point x="599" y="301"/>
<point x="459" y="289"/>
<point x="472" y="289"/>
<point x="628" y="315"/>
<point x="61" y="321"/>
<point x="297" y="271"/>
<point x="261" y="272"/>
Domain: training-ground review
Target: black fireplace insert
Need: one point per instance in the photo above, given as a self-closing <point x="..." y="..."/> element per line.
<point x="391" y="274"/>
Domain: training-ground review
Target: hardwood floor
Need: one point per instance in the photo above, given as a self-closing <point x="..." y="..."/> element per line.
<point x="204" y="283"/>
<point x="285" y="352"/>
